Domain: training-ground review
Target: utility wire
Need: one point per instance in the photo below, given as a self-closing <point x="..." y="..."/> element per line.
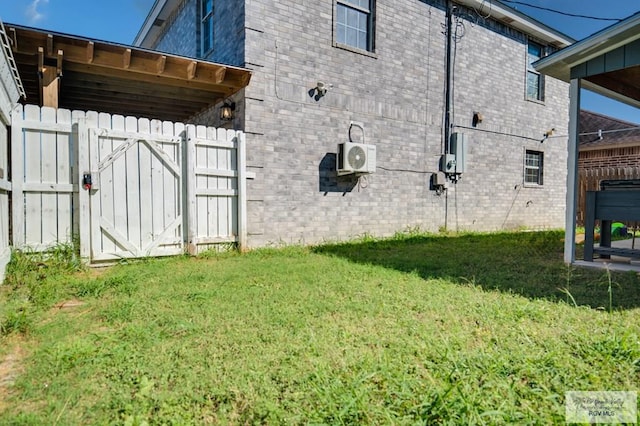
<point x="574" y="15"/>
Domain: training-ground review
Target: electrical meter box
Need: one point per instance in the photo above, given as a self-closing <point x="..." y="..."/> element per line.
<point x="454" y="163"/>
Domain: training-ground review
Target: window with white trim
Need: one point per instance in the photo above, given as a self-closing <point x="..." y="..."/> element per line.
<point x="354" y="23"/>
<point x="535" y="80"/>
<point x="206" y="26"/>
<point x="533" y="167"/>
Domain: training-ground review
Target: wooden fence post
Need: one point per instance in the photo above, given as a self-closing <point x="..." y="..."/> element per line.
<point x="190" y="205"/>
<point x="17" y="173"/>
<point x="242" y="191"/>
<point x="84" y="214"/>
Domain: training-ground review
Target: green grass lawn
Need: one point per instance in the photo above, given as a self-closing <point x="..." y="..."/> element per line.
<point x="419" y="329"/>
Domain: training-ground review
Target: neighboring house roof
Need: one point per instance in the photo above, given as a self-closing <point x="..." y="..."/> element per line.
<point x="598" y="131"/>
<point x="162" y="9"/>
<point x="119" y="79"/>
<point x="608" y="62"/>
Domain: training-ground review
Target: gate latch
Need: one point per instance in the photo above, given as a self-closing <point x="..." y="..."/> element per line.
<point x="86" y="181"/>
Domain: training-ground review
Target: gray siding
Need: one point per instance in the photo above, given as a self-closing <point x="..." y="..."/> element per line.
<point x="398" y="94"/>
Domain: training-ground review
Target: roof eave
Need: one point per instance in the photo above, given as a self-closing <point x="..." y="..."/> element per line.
<point x="559" y="64"/>
<point x="499" y="11"/>
<point x="522" y="22"/>
<point x="160" y="11"/>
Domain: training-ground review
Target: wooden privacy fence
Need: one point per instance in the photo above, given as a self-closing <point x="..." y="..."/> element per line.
<point x="589" y="180"/>
<point x="5" y="186"/>
<point x="126" y="187"/>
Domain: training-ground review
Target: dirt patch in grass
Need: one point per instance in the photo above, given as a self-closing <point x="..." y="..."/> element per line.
<point x="69" y="304"/>
<point x="10" y="368"/>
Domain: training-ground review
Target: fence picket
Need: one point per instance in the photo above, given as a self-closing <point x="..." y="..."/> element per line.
<point x="5" y="251"/>
<point x="32" y="174"/>
<point x="190" y="181"/>
<point x="17" y="171"/>
<point x="49" y="156"/>
<point x="146" y="197"/>
<point x="131" y="208"/>
<point x="170" y="183"/>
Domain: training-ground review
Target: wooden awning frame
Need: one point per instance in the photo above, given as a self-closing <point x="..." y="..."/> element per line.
<point x="66" y="71"/>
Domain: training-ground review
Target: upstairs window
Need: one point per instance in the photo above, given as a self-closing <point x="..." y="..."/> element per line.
<point x="206" y="26"/>
<point x="354" y="23"/>
<point x="535" y="80"/>
<point x="533" y="167"/>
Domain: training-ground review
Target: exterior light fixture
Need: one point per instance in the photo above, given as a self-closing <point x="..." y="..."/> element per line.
<point x="477" y="118"/>
<point x="322" y="88"/>
<point x="548" y="134"/>
<point x="227" y="111"/>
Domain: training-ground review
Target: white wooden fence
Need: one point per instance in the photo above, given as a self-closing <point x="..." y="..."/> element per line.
<point x="5" y="187"/>
<point x="126" y="187"/>
<point x="10" y="91"/>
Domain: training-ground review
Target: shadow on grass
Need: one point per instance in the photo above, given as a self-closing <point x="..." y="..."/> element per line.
<point x="528" y="264"/>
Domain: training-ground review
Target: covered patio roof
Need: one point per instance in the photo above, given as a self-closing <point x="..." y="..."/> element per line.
<point x="607" y="62"/>
<point x="73" y="72"/>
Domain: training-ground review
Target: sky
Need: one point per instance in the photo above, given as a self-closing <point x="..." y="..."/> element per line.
<point x="119" y="21"/>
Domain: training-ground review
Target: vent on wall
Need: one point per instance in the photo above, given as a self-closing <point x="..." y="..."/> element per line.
<point x="356" y="158"/>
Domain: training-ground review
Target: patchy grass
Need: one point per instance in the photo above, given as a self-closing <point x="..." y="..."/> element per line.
<point x="473" y="329"/>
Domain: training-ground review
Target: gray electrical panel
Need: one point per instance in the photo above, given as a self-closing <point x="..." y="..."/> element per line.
<point x="454" y="163"/>
<point x="458" y="148"/>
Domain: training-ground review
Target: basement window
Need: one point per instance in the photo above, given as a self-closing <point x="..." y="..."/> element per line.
<point x="533" y="167"/>
<point x="354" y="24"/>
<point x="206" y="26"/>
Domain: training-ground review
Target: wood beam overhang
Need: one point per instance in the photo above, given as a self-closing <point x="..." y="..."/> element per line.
<point x="120" y="79"/>
<point x="105" y="58"/>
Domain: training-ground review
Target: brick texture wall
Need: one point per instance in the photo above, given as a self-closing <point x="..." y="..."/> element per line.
<point x="612" y="157"/>
<point x="398" y="95"/>
<point x="180" y="33"/>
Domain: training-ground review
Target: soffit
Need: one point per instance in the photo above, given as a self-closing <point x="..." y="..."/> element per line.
<point x="607" y="62"/>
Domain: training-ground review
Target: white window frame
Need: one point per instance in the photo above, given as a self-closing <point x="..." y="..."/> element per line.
<point x="206" y="21"/>
<point x="530" y="71"/>
<point x="539" y="181"/>
<point x="369" y="49"/>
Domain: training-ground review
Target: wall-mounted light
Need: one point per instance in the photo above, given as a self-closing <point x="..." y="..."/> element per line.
<point x="477" y="118"/>
<point x="321" y="88"/>
<point x="548" y="134"/>
<point x="227" y="111"/>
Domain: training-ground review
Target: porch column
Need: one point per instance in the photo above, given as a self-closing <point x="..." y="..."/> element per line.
<point x="572" y="173"/>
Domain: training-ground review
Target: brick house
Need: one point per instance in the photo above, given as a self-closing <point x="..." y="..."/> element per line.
<point x="433" y="85"/>
<point x="607" y="142"/>
<point x="609" y="149"/>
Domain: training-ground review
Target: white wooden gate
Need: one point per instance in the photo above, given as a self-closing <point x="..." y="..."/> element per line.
<point x="135" y="198"/>
<point x="156" y="188"/>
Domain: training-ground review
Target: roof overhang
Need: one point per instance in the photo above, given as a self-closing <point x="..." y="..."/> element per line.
<point x="162" y="9"/>
<point x="119" y="79"/>
<point x="159" y="13"/>
<point x="605" y="49"/>
<point x="519" y="21"/>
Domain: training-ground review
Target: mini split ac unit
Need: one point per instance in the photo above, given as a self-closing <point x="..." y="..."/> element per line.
<point x="356" y="158"/>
